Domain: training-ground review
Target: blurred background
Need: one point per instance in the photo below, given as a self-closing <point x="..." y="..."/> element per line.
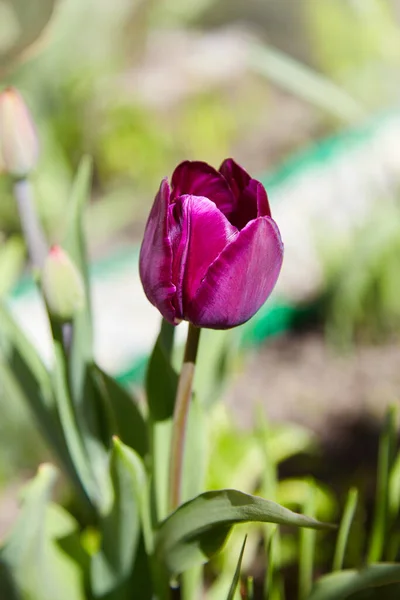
<point x="305" y="94"/>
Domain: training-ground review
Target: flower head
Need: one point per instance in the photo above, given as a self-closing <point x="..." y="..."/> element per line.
<point x="211" y="252"/>
<point x="19" y="146"/>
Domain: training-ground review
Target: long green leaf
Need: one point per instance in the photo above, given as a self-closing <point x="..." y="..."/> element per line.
<point x="199" y="528"/>
<point x="81" y="352"/>
<point x="385" y="460"/>
<point x="236" y="576"/>
<point x="344" y="529"/>
<point x="74" y="239"/>
<point x="70" y="426"/>
<point x="12" y="256"/>
<point x="128" y="421"/>
<point x="304" y="82"/>
<point x="121" y="527"/>
<point x="91" y="417"/>
<point x="24" y="374"/>
<point x="161" y="384"/>
<point x="341" y="585"/>
<point x="15" y="341"/>
<point x="307" y="548"/>
<point x="161" y="379"/>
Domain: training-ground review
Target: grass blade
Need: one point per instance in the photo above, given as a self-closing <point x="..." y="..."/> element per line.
<point x="344" y="529"/>
<point x="305" y="83"/>
<point x="236" y="577"/>
<point x="380" y="524"/>
<point x="307" y="549"/>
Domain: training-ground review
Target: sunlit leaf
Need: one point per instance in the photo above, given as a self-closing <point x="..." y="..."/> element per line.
<point x="341" y="585"/>
<point x="199" y="528"/>
<point x="121" y="526"/>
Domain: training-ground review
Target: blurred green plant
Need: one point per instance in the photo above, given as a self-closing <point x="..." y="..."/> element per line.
<point x="357" y="44"/>
<point x="21" y="25"/>
<point x="363" y="279"/>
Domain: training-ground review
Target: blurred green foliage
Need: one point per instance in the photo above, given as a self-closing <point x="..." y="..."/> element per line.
<point x="357" y="43"/>
<point x="77" y="83"/>
<point x="363" y="280"/>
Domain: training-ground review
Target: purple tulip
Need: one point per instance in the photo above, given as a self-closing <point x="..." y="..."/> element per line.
<point x="211" y="253"/>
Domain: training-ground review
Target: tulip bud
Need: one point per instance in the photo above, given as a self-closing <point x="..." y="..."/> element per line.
<point x="19" y="147"/>
<point x="62" y="285"/>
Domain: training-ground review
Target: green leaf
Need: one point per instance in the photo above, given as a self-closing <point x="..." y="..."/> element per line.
<point x="37" y="556"/>
<point x="341" y="585"/>
<point x="74" y="238"/>
<point x="17" y="342"/>
<point x="250" y="588"/>
<point x="380" y="526"/>
<point x="12" y="257"/>
<point x="273" y="582"/>
<point x="74" y="243"/>
<point x="307" y="84"/>
<point x="24" y="374"/>
<point x="161" y="379"/>
<point x="21" y="553"/>
<point x="214" y="359"/>
<point x="307" y="548"/>
<point x="127" y="420"/>
<point x="121" y="527"/>
<point x="71" y="429"/>
<point x="236" y="577"/>
<point x="344" y="529"/>
<point x="199" y="528"/>
<point x="88" y="415"/>
<point x="195" y="459"/>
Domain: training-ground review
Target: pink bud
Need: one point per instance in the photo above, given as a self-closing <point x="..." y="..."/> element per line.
<point x="62" y="285"/>
<point x="19" y="147"/>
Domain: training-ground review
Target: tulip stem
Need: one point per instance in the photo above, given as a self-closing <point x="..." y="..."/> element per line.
<point x="181" y="411"/>
<point x="31" y="228"/>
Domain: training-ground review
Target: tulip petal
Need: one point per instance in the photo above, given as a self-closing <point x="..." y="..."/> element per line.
<point x="199" y="232"/>
<point x="155" y="261"/>
<point x="240" y="279"/>
<point x="197" y="178"/>
<point x="235" y="175"/>
<point x="250" y="194"/>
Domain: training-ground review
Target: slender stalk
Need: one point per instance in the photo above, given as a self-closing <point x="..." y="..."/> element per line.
<point x="181" y="411"/>
<point x="31" y="228"/>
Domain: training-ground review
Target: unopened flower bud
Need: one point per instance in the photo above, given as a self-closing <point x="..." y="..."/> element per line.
<point x="19" y="146"/>
<point x="62" y="285"/>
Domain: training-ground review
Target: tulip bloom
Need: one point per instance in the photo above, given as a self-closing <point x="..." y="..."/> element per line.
<point x="211" y="252"/>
